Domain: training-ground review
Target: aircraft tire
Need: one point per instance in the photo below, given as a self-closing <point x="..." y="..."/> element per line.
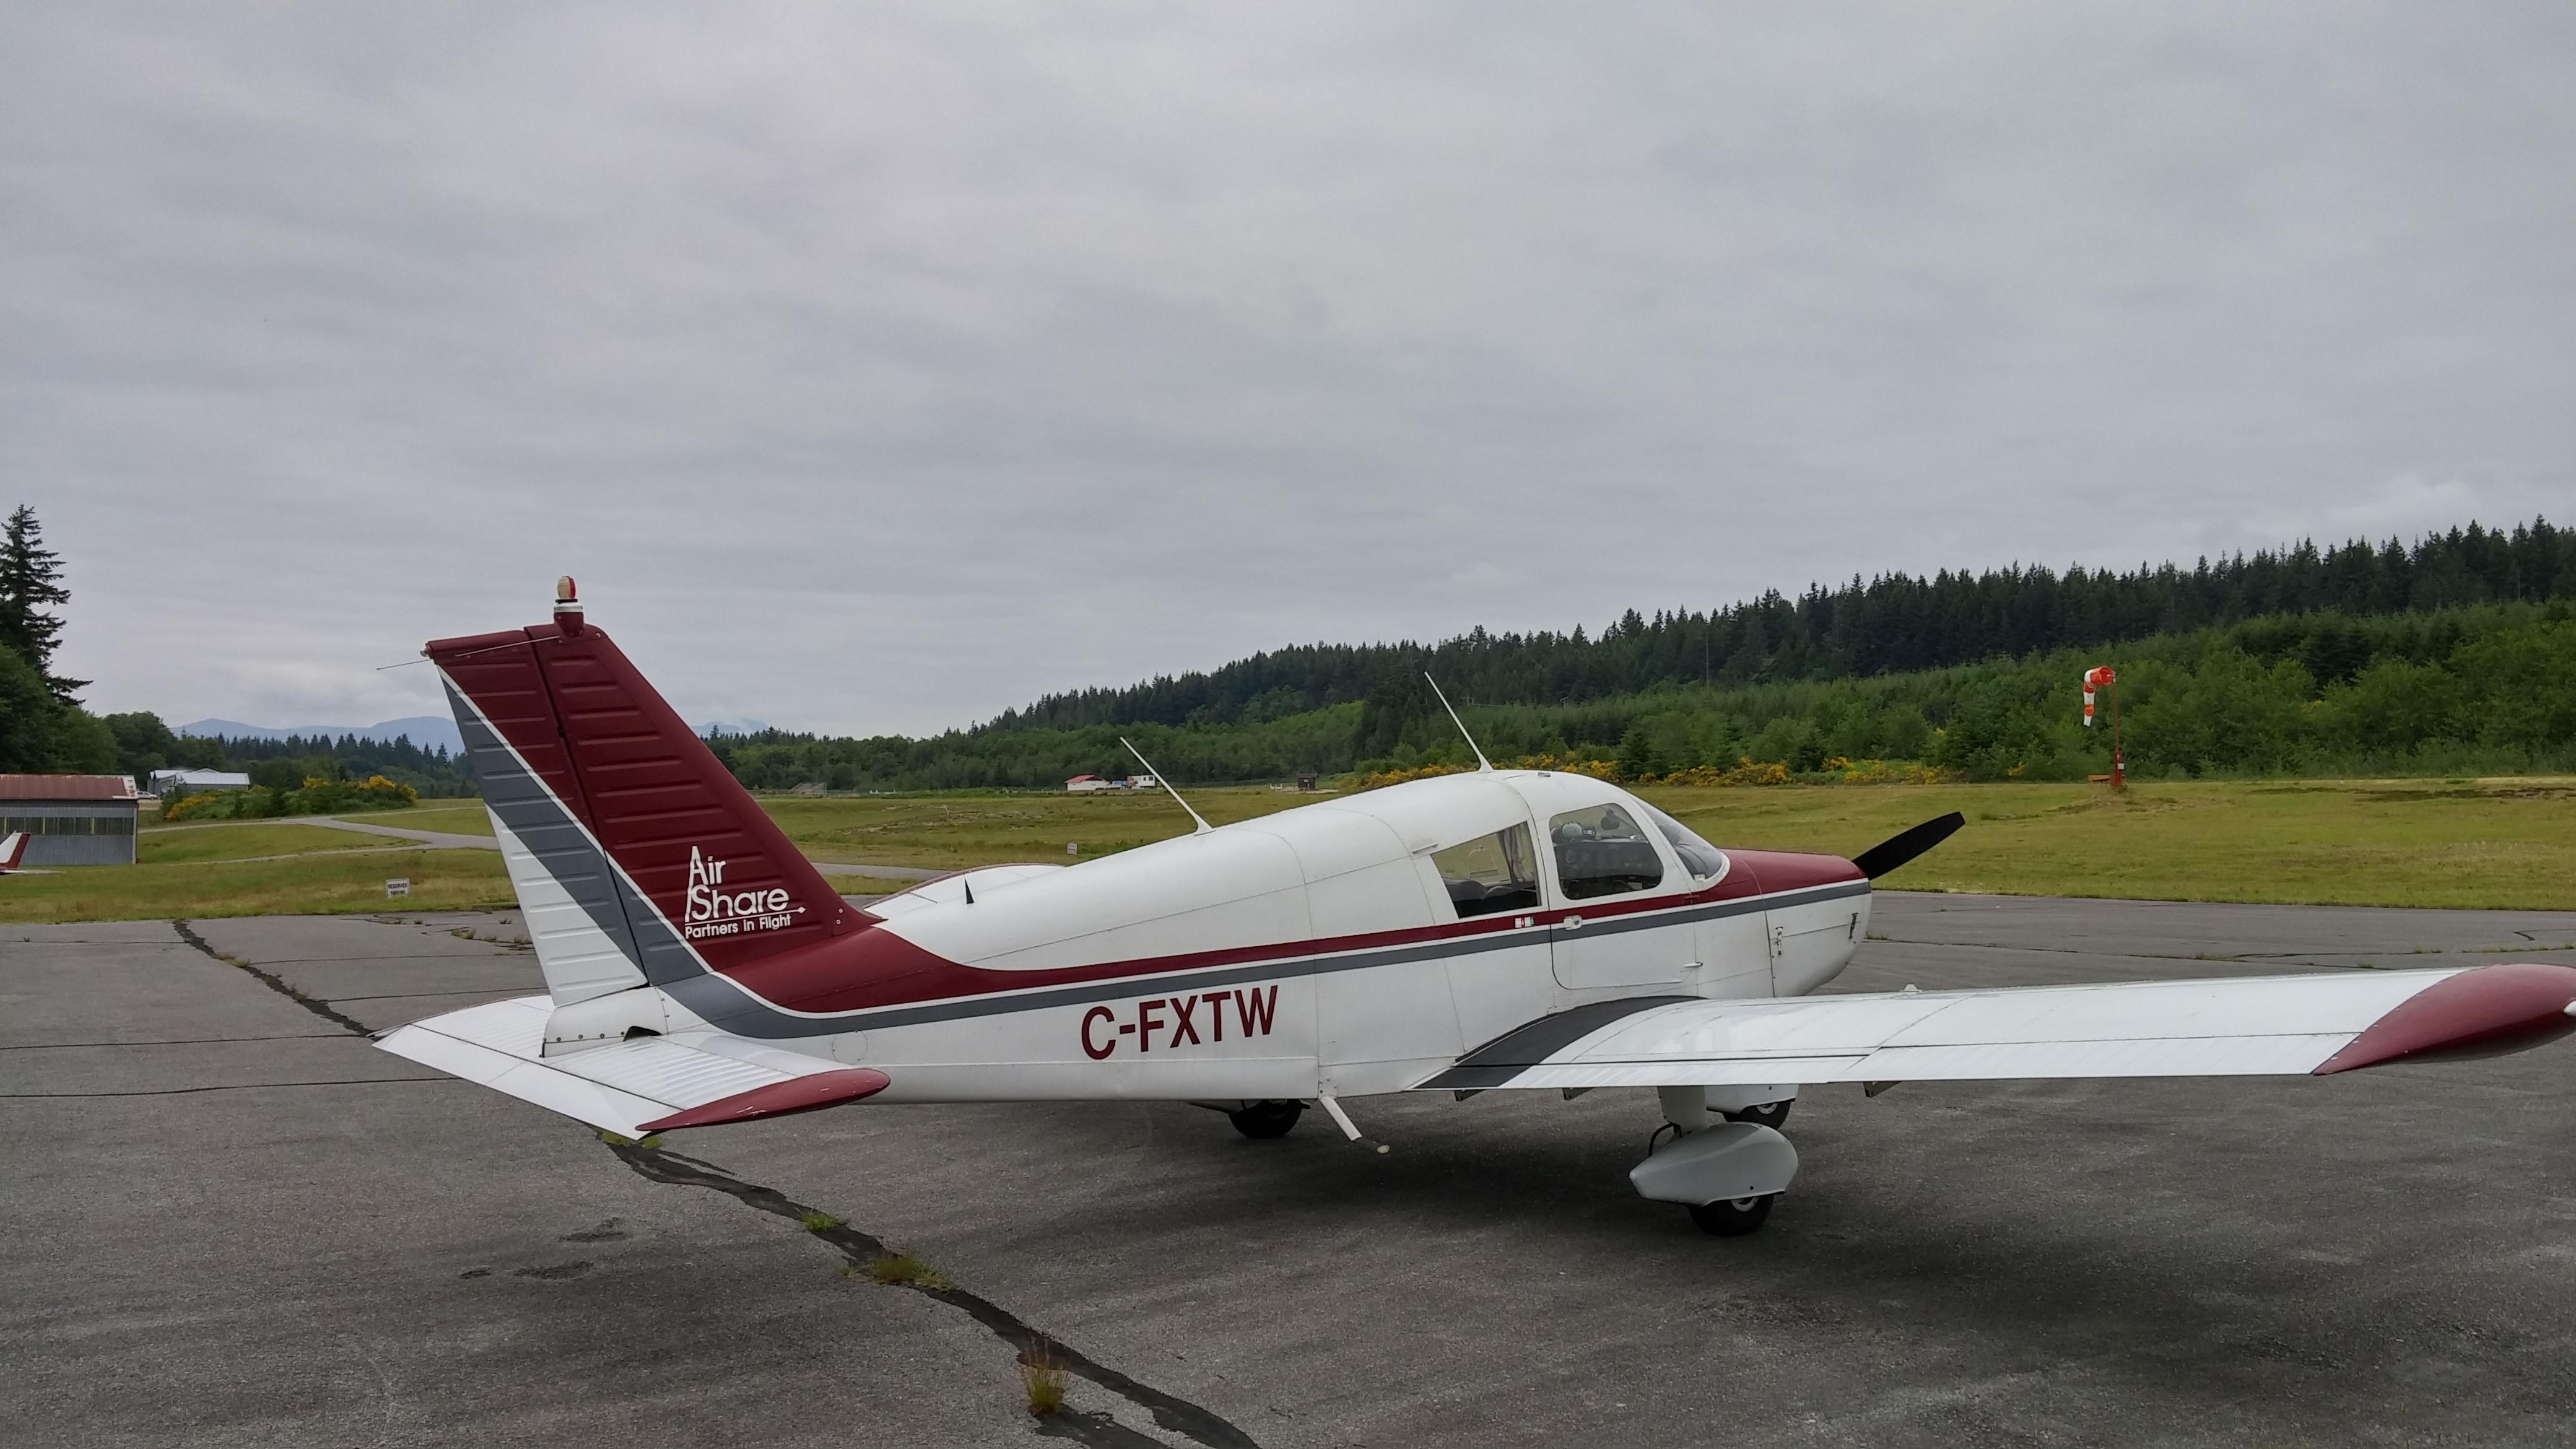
<point x="1265" y="1120"/>
<point x="1733" y="1219"/>
<point x="1769" y="1114"/>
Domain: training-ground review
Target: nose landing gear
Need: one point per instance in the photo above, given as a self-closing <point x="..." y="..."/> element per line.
<point x="1733" y="1217"/>
<point x="1728" y="1173"/>
<point x="1769" y="1114"/>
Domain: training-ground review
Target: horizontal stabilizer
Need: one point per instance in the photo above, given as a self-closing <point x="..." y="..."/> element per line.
<point x="646" y="1084"/>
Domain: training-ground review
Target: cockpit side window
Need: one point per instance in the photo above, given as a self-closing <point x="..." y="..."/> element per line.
<point x="1497" y="872"/>
<point x="1601" y="852"/>
<point x="1700" y="858"/>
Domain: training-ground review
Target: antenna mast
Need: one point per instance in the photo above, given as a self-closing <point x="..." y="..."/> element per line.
<point x="1204" y="827"/>
<point x="1481" y="762"/>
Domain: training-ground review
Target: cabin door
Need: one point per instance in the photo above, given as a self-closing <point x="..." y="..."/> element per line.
<point x="1605" y="860"/>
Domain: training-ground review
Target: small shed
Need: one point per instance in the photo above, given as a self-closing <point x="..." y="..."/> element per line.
<point x="71" y="819"/>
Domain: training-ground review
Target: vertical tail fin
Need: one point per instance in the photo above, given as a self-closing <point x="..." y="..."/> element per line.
<point x="13" y="849"/>
<point x="636" y="855"/>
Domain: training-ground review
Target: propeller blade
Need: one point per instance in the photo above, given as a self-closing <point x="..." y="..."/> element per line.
<point x="1897" y="849"/>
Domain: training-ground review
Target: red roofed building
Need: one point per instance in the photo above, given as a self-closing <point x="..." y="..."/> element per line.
<point x="71" y="819"/>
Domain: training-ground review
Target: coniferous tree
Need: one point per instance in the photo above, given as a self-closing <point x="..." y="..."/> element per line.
<point x="31" y="582"/>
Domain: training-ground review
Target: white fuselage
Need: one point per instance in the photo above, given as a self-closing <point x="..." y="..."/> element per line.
<point x="1322" y="951"/>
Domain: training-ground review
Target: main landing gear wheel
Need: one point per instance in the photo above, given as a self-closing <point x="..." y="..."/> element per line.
<point x="1265" y="1120"/>
<point x="1769" y="1114"/>
<point x="1733" y="1218"/>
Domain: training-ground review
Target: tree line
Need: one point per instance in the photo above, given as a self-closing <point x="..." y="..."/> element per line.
<point x="1891" y="624"/>
<point x="44" y="729"/>
<point x="145" y="744"/>
<point x="2477" y="687"/>
<point x="42" y="725"/>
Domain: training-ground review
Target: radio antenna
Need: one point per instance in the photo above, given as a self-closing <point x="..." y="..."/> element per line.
<point x="1204" y="827"/>
<point x="1481" y="762"/>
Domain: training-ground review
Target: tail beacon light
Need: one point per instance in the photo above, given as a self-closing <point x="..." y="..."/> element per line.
<point x="567" y="608"/>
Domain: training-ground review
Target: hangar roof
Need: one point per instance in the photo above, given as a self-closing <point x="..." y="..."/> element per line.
<point x="66" y="787"/>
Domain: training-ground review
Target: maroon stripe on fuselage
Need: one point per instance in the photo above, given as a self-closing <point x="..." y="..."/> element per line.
<point x="874" y="967"/>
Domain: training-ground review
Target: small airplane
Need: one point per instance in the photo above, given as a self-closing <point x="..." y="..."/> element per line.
<point x="1501" y="929"/>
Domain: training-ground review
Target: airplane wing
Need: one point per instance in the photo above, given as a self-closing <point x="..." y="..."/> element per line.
<point x="2319" y="1024"/>
<point x="643" y="1085"/>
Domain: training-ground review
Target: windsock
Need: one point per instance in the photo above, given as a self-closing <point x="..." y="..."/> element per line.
<point x="2099" y="676"/>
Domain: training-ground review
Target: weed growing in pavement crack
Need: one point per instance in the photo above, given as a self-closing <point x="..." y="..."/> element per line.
<point x="1172" y="1413"/>
<point x="814" y="1221"/>
<point x="1042" y="1380"/>
<point x="906" y="1269"/>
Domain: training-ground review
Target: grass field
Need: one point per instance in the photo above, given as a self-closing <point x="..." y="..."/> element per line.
<point x="2484" y="844"/>
<point x="317" y="882"/>
<point x="246" y="840"/>
<point x="448" y="817"/>
<point x="2461" y="843"/>
<point x="2492" y="844"/>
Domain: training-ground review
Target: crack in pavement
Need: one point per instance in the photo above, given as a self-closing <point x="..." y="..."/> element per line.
<point x="59" y="1046"/>
<point x="1033" y="1346"/>
<point x="861" y="1249"/>
<point x="219" y="1087"/>
<point x="274" y="983"/>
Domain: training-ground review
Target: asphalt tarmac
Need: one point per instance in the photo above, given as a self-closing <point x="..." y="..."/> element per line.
<point x="228" y="1220"/>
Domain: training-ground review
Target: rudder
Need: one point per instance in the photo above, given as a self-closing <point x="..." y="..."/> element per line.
<point x="636" y="856"/>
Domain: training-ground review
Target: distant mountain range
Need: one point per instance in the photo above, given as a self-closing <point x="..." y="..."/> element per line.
<point x="429" y="731"/>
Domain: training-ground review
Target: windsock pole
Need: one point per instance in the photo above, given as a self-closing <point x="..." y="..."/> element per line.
<point x="2119" y="772"/>
<point x="2101" y="677"/>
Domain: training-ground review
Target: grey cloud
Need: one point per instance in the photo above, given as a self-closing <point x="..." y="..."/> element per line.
<point x="881" y="368"/>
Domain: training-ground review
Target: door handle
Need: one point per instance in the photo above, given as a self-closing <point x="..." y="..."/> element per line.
<point x="1572" y="923"/>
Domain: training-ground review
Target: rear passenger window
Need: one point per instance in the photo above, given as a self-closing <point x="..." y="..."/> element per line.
<point x="1601" y="852"/>
<point x="1496" y="872"/>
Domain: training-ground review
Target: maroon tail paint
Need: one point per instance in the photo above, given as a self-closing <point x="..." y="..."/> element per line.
<point x="659" y="803"/>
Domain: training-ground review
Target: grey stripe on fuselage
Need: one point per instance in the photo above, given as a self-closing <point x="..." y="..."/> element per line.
<point x="772" y="1023"/>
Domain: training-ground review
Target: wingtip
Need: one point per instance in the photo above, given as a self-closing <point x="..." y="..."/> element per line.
<point x="2524" y="1002"/>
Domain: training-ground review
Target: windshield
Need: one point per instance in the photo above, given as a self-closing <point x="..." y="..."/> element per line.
<point x="1699" y="857"/>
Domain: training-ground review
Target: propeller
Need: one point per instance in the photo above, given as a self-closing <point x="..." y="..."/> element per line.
<point x="1897" y="849"/>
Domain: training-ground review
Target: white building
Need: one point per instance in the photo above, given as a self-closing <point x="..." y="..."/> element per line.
<point x="196" y="781"/>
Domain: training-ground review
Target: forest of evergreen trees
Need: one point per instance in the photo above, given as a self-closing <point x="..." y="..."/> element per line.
<point x="2449" y="655"/>
<point x="1891" y="624"/>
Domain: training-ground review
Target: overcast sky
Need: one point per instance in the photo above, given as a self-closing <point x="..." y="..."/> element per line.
<point x="880" y="367"/>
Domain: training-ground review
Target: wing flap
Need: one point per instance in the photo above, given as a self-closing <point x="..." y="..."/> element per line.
<point x="629" y="1087"/>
